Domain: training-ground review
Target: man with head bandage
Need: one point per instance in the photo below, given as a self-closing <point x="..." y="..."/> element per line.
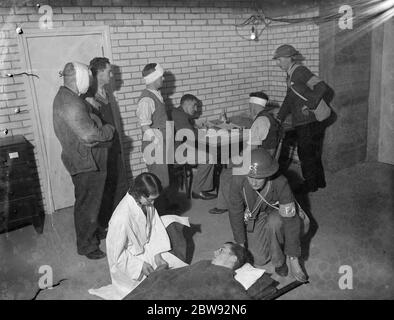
<point x="264" y="133"/>
<point x="78" y="131"/>
<point x="265" y="129"/>
<point x="152" y="115"/>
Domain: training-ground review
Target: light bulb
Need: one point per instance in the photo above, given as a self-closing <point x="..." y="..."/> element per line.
<point x="253" y="34"/>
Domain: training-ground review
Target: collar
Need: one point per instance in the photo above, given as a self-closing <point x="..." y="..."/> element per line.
<point x="99" y="97"/>
<point x="190" y="117"/>
<point x="68" y="89"/>
<point x="291" y="66"/>
<point x="157" y="94"/>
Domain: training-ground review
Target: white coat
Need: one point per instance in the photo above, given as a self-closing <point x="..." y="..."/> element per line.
<point x="133" y="239"/>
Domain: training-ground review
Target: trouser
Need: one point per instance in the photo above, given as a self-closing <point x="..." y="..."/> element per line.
<point x="309" y="147"/>
<point x="274" y="237"/>
<point x="178" y="240"/>
<point x="224" y="188"/>
<point x="160" y="170"/>
<point x="203" y="179"/>
<point x="88" y="188"/>
<point x="163" y="201"/>
<point x="116" y="186"/>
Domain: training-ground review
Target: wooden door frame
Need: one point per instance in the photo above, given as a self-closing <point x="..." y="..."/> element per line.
<point x="31" y="96"/>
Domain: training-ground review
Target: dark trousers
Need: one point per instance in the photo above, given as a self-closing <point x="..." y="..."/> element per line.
<point x="203" y="180"/>
<point x="88" y="189"/>
<point x="116" y="186"/>
<point x="160" y="170"/>
<point x="274" y="237"/>
<point x="309" y="147"/>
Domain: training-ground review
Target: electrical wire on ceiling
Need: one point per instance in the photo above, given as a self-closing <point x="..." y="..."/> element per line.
<point x="371" y="12"/>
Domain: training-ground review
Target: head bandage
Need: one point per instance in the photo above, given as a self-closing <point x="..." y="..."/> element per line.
<point x="82" y="74"/>
<point x="257" y="100"/>
<point x="154" y="75"/>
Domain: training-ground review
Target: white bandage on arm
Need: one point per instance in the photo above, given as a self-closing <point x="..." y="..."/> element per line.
<point x="287" y="210"/>
<point x="145" y="109"/>
<point x="259" y="130"/>
<point x="314" y="80"/>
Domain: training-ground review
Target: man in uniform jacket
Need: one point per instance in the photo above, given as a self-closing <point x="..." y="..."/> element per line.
<point x="263" y="215"/>
<point x="309" y="131"/>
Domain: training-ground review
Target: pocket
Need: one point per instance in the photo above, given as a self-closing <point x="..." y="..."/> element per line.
<point x="82" y="150"/>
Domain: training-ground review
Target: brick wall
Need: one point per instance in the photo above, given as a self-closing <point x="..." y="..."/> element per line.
<point x="197" y="43"/>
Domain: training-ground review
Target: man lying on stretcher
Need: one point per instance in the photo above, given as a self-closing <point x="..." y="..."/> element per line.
<point x="204" y="280"/>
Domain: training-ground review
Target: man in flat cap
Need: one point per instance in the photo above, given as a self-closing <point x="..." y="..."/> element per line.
<point x="310" y="132"/>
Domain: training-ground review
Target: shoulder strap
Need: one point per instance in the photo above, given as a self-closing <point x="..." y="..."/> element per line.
<point x="258" y="204"/>
<point x="262" y="198"/>
<point x="297" y="93"/>
<point x="292" y="68"/>
<point x="291" y="71"/>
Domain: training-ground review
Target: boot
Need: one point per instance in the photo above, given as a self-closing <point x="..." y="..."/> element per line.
<point x="296" y="270"/>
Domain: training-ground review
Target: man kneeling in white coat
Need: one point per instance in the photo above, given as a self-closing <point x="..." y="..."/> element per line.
<point x="137" y="241"/>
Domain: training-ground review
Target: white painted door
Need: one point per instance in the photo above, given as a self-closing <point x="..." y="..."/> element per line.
<point x="386" y="128"/>
<point x="47" y="56"/>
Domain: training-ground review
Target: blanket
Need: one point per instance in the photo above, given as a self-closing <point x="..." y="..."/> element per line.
<point x="200" y="281"/>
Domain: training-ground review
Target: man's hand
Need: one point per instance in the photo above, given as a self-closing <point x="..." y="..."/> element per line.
<point x="147" y="269"/>
<point x="92" y="102"/>
<point x="91" y="145"/>
<point x="160" y="262"/>
<point x="275" y="115"/>
<point x="162" y="267"/>
<point x="305" y="111"/>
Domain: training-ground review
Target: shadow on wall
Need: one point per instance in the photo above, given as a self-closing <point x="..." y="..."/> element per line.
<point x="167" y="91"/>
<point x="126" y="141"/>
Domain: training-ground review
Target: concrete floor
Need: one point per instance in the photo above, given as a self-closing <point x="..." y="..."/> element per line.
<point x="355" y="227"/>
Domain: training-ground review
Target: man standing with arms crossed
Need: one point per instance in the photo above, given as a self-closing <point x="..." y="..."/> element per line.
<point x="78" y="134"/>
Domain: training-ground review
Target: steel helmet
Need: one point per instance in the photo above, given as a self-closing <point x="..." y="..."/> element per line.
<point x="287" y="50"/>
<point x="262" y="164"/>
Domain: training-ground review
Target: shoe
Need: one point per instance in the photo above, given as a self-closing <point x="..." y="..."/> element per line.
<point x="296" y="270"/>
<point x="283" y="270"/>
<point x="96" y="254"/>
<point x="217" y="211"/>
<point x="203" y="195"/>
<point x="321" y="184"/>
<point x="304" y="188"/>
